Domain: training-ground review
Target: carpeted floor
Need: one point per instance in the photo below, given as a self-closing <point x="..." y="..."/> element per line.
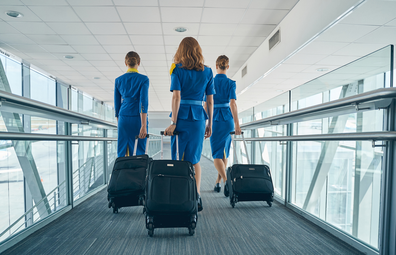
<point x="249" y="228"/>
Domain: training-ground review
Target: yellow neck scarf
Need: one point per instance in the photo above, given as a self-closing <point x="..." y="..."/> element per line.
<point x="132" y="70"/>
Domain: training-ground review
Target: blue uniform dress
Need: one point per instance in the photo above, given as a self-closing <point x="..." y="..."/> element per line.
<point x="223" y="122"/>
<point x="132" y="87"/>
<point x="191" y="118"/>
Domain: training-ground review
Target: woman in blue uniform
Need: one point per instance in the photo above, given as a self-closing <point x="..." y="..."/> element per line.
<point x="131" y="111"/>
<point x="190" y="82"/>
<point x="225" y="119"/>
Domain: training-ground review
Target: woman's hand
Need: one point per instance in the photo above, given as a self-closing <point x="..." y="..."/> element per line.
<point x="208" y="131"/>
<point x="238" y="130"/>
<point x="143" y="132"/>
<point x="169" y="130"/>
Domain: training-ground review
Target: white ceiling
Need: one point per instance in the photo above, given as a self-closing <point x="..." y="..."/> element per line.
<point x="368" y="28"/>
<point x="98" y="33"/>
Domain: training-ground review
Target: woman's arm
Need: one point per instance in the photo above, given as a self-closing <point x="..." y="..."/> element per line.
<point x="175" y="110"/>
<point x="209" y="106"/>
<point x="117" y="101"/>
<point x="234" y="111"/>
<point x="144" y="108"/>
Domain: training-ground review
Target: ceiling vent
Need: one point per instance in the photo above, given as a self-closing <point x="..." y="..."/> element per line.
<point x="244" y="71"/>
<point x="274" y="40"/>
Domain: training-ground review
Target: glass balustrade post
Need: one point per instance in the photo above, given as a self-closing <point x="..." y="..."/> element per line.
<point x="289" y="144"/>
<point x="69" y="166"/>
<point x="105" y="158"/>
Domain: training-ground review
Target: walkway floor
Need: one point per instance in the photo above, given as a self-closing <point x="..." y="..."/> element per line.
<point x="249" y="228"/>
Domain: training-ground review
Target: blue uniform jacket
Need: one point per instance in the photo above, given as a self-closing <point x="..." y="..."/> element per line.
<point x="133" y="88"/>
<point x="225" y="91"/>
<point x="193" y="85"/>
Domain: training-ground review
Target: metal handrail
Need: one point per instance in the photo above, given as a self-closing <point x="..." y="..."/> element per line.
<point x="50" y="137"/>
<point x="31" y="209"/>
<point x="353" y="101"/>
<point x="364" y="136"/>
<point x="18" y="104"/>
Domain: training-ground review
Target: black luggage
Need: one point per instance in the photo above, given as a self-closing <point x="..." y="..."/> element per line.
<point x="127" y="183"/>
<point x="249" y="182"/>
<point x="171" y="194"/>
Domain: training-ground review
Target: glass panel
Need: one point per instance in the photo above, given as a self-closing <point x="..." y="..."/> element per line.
<point x="272" y="107"/>
<point x="340" y="183"/>
<point x="13" y="73"/>
<point x="365" y="74"/>
<point x="42" y="88"/>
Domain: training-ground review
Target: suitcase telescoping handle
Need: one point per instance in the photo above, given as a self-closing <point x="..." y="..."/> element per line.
<point x="136" y="143"/>
<point x="234" y="145"/>
<point x="177" y="144"/>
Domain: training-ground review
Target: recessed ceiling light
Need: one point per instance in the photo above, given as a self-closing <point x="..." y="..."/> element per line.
<point x="14" y="14"/>
<point x="96" y="78"/>
<point x="323" y="69"/>
<point x="68" y="56"/>
<point x="180" y="29"/>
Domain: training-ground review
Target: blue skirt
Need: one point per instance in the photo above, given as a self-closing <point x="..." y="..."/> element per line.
<point x="128" y="129"/>
<point x="220" y="141"/>
<point x="191" y="137"/>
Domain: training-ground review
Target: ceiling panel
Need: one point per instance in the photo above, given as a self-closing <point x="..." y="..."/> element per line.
<point x="177" y="3"/>
<point x="97" y="14"/>
<point x="136" y="3"/>
<point x="272" y="5"/>
<point x="69" y="28"/>
<point x="7" y="28"/>
<point x="176" y="14"/>
<point x="80" y="39"/>
<point x="83" y="49"/>
<point x="106" y="28"/>
<point x="113" y="39"/>
<point x="262" y="16"/>
<point x="15" y="39"/>
<point x="217" y="29"/>
<point x="32" y="28"/>
<point x="169" y="28"/>
<point x="139" y="14"/>
<point x="55" y="13"/>
<point x="47" y="39"/>
<point x="147" y="39"/>
<point x="222" y="15"/>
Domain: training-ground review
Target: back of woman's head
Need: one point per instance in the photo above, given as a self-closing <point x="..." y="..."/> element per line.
<point x="132" y="59"/>
<point x="222" y="62"/>
<point x="189" y="54"/>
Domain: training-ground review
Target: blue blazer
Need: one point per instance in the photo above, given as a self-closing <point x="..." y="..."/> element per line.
<point x="133" y="88"/>
<point x="193" y="85"/>
<point x="225" y="91"/>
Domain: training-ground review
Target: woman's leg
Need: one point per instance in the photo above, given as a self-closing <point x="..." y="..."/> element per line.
<point x="197" y="168"/>
<point x="219" y="164"/>
<point x="225" y="161"/>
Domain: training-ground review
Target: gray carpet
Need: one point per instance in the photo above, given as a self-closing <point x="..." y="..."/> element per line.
<point x="249" y="228"/>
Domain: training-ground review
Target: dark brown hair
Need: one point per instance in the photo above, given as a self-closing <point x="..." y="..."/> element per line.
<point x="222" y="62"/>
<point x="132" y="59"/>
<point x="189" y="54"/>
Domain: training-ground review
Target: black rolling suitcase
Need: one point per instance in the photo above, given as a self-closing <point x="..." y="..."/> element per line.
<point x="171" y="194"/>
<point x="127" y="183"/>
<point x="249" y="182"/>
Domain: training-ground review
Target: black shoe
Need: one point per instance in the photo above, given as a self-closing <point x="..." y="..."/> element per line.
<point x="217" y="188"/>
<point x="226" y="191"/>
<point x="200" y="208"/>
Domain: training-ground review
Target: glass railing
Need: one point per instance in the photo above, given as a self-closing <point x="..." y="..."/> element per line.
<point x="328" y="149"/>
<point x="51" y="159"/>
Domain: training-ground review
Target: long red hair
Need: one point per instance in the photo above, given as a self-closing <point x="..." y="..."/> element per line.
<point x="189" y="54"/>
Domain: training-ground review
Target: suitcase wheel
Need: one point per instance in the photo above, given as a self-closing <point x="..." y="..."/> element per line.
<point x="150" y="228"/>
<point x="144" y="210"/>
<point x="115" y="210"/>
<point x="269" y="203"/>
<point x="233" y="204"/>
<point x="109" y="204"/>
<point x="191" y="231"/>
